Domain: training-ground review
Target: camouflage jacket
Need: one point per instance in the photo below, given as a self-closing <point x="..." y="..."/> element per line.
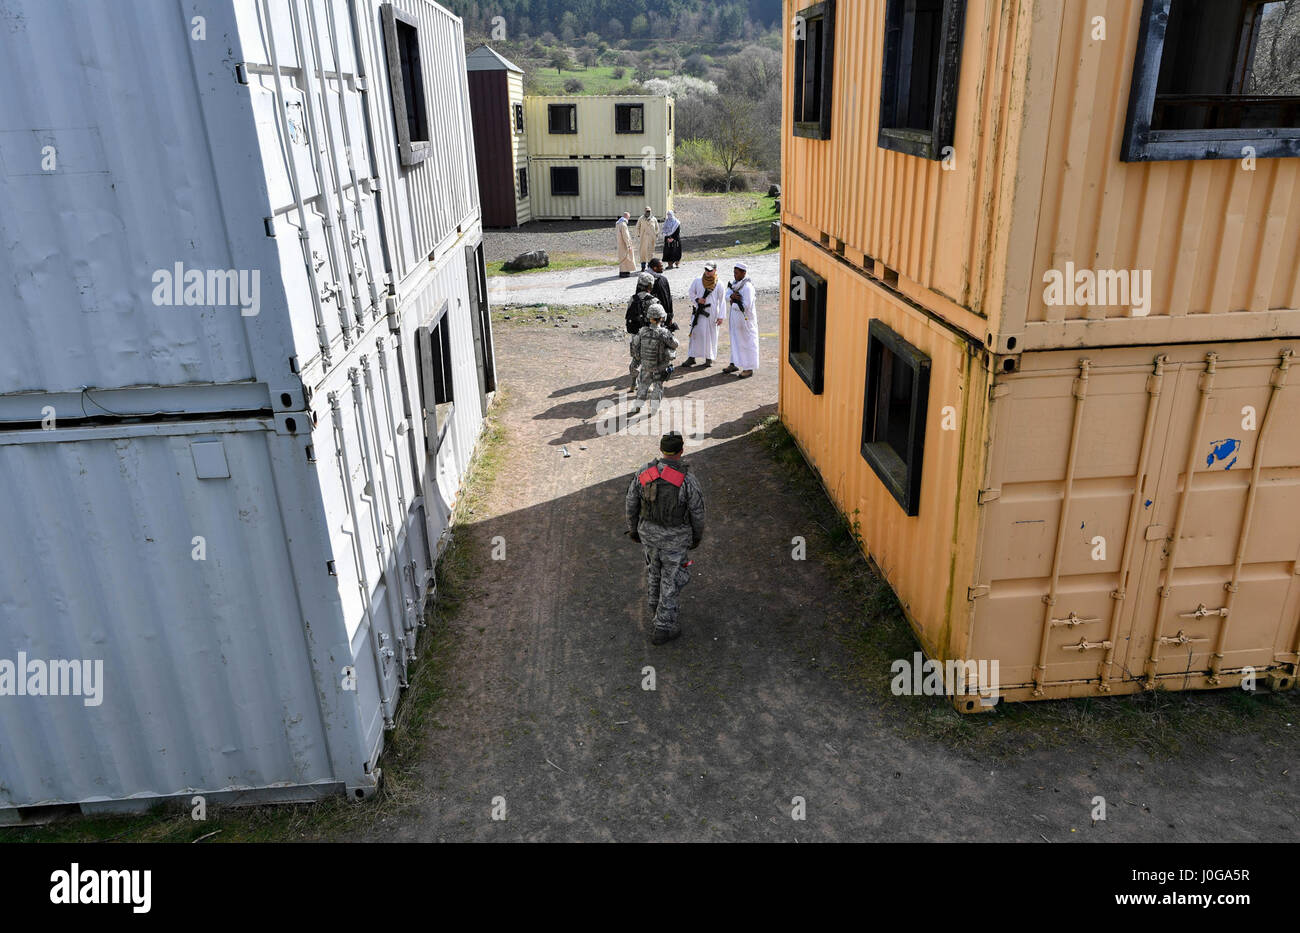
<point x="691" y="495"/>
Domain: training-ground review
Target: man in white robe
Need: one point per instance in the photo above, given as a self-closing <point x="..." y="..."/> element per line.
<point x="647" y="232"/>
<point x="742" y="316"/>
<point x="708" y="308"/>
<point x="623" y="243"/>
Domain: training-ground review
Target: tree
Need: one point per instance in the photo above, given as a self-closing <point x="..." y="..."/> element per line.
<point x="640" y="26"/>
<point x="644" y="72"/>
<point x="573" y="86"/>
<point x="587" y="56"/>
<point x="697" y="65"/>
<point x="561" y="61"/>
<point x="735" y="133"/>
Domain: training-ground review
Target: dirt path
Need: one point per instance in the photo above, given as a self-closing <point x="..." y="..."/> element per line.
<point x="602" y="284"/>
<point x="544" y="705"/>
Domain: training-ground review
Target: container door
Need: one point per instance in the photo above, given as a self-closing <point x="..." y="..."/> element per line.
<point x="1218" y="588"/>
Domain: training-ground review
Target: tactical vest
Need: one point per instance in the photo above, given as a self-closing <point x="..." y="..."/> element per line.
<point x="661" y="493"/>
<point x="651" y="347"/>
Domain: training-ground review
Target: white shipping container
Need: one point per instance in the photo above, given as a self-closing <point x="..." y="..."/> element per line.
<point x="232" y="518"/>
<point x="599" y="188"/>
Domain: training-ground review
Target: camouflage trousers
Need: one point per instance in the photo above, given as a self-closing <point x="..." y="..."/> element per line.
<point x="649" y="383"/>
<point x="665" y="574"/>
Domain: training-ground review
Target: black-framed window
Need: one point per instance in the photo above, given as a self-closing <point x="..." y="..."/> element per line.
<point x="564" y="181"/>
<point x="562" y="118"/>
<point x="893" y="413"/>
<point x="406" y="84"/>
<point x="629" y="118"/>
<point x="434" y="375"/>
<point x="523" y="182"/>
<point x="629" y="179"/>
<point x="519" y="118"/>
<point x="918" y="88"/>
<point x="1213" y="77"/>
<point x="807" y="336"/>
<point x="814" y="52"/>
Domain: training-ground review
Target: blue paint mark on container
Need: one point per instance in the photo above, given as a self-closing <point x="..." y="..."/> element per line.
<point x="1222" y="450"/>
<point x="1148" y="505"/>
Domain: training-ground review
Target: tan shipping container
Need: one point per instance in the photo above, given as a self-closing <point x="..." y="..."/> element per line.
<point x="597" y="133"/>
<point x="1055" y="530"/>
<point x="1035" y="184"/>
<point x="598" y="194"/>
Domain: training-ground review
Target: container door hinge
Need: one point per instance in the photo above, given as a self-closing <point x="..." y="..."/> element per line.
<point x="360" y="82"/>
<point x="988" y="495"/>
<point x="975" y="592"/>
<point x="241" y="73"/>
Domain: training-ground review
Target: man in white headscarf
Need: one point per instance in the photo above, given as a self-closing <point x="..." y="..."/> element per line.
<point x="742" y="315"/>
<point x="647" y="231"/>
<point x="623" y="240"/>
<point x="708" y="309"/>
<point x="672" y="232"/>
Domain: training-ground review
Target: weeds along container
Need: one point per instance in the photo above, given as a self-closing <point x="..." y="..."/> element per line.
<point x="1039" y="328"/>
<point x="250" y="357"/>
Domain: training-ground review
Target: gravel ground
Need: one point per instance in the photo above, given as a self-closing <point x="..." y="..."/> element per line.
<point x="598" y="285"/>
<point x="704" y="227"/>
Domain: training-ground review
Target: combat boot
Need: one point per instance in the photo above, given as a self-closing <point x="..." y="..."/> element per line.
<point x="664" y="635"/>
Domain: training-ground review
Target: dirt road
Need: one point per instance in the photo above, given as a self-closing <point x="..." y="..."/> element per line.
<point x="545" y="714"/>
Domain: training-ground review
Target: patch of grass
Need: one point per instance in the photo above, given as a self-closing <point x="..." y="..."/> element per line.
<point x="875" y="633"/>
<point x="559" y="262"/>
<point x="336" y="817"/>
<point x="598" y="79"/>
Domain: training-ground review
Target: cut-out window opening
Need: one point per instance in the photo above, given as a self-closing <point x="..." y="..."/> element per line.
<point x="562" y="118"/>
<point x="814" y="52"/>
<point x="629" y="118"/>
<point x="519" y="118"/>
<point x="918" y="89"/>
<point x="629" y="180"/>
<point x="564" y="181"/>
<point x="406" y="84"/>
<point x="807" y="337"/>
<point x="893" y="413"/>
<point x="523" y="182"/>
<point x="434" y="375"/>
<point x="1215" y="79"/>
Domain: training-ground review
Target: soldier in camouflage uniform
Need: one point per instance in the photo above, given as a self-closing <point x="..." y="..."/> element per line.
<point x="665" y="513"/>
<point x="652" y="355"/>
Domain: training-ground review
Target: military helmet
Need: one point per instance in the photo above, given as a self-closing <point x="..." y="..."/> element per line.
<point x="656" y="312"/>
<point x="644" y="280"/>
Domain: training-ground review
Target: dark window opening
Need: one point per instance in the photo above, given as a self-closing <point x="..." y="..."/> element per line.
<point x="523" y="183"/>
<point x="564" y="182"/>
<point x="519" y="118"/>
<point x="814" y="47"/>
<point x="807" y="339"/>
<point x="629" y="180"/>
<point x="434" y="375"/>
<point x="1220" y="76"/>
<point x="562" y="118"/>
<point x="893" y="414"/>
<point x="406" y="84"/>
<point x="918" y="93"/>
<point x="629" y="118"/>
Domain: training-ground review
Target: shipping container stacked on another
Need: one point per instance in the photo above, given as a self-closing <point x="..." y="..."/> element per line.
<point x="235" y="503"/>
<point x="616" y="166"/>
<point x="496" y="95"/>
<point x="1093" y="492"/>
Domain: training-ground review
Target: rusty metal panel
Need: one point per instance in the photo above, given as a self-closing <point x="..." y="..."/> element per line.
<point x="494" y="146"/>
<point x="925" y="557"/>
<point x="1107" y="569"/>
<point x="596" y="135"/>
<point x="598" y="196"/>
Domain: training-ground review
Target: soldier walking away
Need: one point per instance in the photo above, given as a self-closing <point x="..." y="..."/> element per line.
<point x="636" y="311"/>
<point x="652" y="356"/>
<point x="665" y="514"/>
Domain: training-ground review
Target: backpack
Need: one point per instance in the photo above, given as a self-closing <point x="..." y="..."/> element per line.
<point x="636" y="310"/>
<point x="652" y="352"/>
<point x="661" y="493"/>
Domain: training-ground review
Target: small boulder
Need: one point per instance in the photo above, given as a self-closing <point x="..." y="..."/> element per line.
<point x="774" y="191"/>
<point x="533" y="259"/>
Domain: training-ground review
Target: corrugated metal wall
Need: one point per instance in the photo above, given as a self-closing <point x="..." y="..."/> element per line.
<point x="1222" y="242"/>
<point x="596" y="135"/>
<point x="494" y="145"/>
<point x="519" y="147"/>
<point x="932" y="226"/>
<point x="597" y="196"/>
<point x="923" y="557"/>
<point x="1131" y="520"/>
